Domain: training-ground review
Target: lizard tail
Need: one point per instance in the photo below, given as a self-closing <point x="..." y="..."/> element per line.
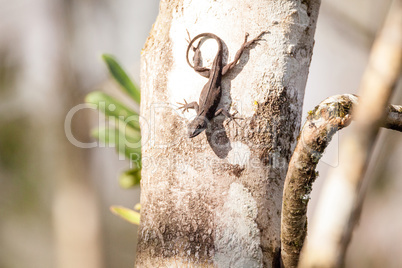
<point x="210" y="35"/>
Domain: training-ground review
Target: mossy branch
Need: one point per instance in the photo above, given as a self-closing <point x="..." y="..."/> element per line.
<point x="322" y="123"/>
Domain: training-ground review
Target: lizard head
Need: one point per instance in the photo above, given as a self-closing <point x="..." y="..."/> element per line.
<point x="197" y="126"/>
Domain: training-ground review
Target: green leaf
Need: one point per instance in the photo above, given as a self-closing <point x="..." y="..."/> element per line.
<point x="127" y="214"/>
<point x="105" y="135"/>
<point x="122" y="78"/>
<point x="137" y="206"/>
<point x="127" y="144"/>
<point x="114" y="108"/>
<point x="130" y="178"/>
<point x="110" y="135"/>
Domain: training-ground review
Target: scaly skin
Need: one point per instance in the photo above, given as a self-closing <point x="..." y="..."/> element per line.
<point x="211" y="93"/>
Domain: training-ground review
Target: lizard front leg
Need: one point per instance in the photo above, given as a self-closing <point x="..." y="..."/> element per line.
<point x="245" y="45"/>
<point x="192" y="105"/>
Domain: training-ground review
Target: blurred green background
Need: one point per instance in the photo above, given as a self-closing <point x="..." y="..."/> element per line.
<point x="55" y="197"/>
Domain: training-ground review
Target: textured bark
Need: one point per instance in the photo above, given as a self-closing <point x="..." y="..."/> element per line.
<point x="327" y="118"/>
<point x="215" y="200"/>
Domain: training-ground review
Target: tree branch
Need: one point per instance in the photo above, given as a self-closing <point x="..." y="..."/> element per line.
<point x="394" y="119"/>
<point x="342" y="196"/>
<point x="328" y="117"/>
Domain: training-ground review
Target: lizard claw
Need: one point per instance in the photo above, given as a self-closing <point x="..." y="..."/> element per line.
<point x="245" y="37"/>
<point x="189" y="37"/>
<point x="233" y="118"/>
<point x="183" y="106"/>
<point x="189" y="40"/>
<point x="256" y="39"/>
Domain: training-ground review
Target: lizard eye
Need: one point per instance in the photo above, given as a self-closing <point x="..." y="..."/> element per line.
<point x="195" y="129"/>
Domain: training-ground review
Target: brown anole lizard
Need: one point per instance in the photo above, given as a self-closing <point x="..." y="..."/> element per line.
<point x="211" y="93"/>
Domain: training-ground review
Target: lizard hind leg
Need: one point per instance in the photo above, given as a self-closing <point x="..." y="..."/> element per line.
<point x="228" y="115"/>
<point x="197" y="61"/>
<point x="197" y="58"/>
<point x="257" y="38"/>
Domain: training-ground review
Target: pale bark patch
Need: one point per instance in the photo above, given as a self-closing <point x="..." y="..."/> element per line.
<point x="237" y="236"/>
<point x="239" y="155"/>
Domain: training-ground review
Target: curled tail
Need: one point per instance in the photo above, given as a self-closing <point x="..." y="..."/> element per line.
<point x="210" y="35"/>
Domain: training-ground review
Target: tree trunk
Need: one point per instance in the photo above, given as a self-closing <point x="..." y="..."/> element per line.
<point x="215" y="200"/>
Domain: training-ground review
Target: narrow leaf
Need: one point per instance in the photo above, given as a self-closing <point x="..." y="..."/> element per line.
<point x="137" y="206"/>
<point x="105" y="135"/>
<point x="122" y="78"/>
<point x="127" y="214"/>
<point x="125" y="144"/>
<point x="110" y="135"/>
<point x="114" y="108"/>
<point x="130" y="178"/>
